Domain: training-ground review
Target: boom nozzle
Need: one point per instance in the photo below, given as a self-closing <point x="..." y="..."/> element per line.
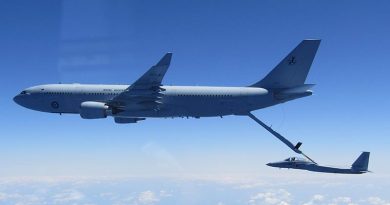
<point x="298" y="145"/>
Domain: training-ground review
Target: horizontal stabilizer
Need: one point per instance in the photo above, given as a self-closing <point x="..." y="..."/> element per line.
<point x="296" y="90"/>
<point x="293" y="93"/>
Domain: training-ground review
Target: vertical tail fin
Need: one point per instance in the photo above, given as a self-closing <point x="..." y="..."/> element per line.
<point x="293" y="69"/>
<point x="361" y="162"/>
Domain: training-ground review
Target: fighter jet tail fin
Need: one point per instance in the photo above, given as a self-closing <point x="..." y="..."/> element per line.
<point x="293" y="69"/>
<point x="361" y="162"/>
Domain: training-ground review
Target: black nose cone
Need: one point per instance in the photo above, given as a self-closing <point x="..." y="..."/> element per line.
<point x="17" y="99"/>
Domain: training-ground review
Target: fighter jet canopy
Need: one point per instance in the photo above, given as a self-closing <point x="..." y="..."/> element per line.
<point x="292" y="159"/>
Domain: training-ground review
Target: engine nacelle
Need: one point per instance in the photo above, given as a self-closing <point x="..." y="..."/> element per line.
<point x="93" y="110"/>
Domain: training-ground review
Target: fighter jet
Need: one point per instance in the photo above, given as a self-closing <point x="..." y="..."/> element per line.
<point x="360" y="166"/>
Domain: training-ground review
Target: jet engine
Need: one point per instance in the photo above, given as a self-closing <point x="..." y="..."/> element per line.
<point x="93" y="110"/>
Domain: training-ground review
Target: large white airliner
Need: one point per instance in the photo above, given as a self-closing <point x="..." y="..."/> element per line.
<point x="147" y="97"/>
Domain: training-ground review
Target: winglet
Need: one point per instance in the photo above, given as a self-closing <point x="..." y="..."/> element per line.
<point x="166" y="60"/>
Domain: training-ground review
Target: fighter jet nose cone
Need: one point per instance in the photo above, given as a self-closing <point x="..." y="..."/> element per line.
<point x="269" y="164"/>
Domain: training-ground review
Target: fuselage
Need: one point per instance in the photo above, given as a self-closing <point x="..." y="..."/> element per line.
<point x="147" y="97"/>
<point x="310" y="166"/>
<point x="176" y="101"/>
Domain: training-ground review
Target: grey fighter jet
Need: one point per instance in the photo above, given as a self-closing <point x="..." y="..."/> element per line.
<point x="360" y="166"/>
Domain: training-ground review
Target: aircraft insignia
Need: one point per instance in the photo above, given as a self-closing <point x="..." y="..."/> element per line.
<point x="292" y="60"/>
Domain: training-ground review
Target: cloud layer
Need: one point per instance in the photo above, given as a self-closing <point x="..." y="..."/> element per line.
<point x="150" y="191"/>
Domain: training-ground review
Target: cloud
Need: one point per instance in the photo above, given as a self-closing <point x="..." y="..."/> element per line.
<point x="147" y="197"/>
<point x="20" y="199"/>
<point x="342" y="200"/>
<point x="137" y="191"/>
<point x="319" y="199"/>
<point x="283" y="197"/>
<point x="5" y="196"/>
<point x="315" y="200"/>
<point x="109" y="196"/>
<point x="136" y="198"/>
<point x="251" y="185"/>
<point x="280" y="197"/>
<point x="164" y="193"/>
<point x="67" y="196"/>
<point x="377" y="201"/>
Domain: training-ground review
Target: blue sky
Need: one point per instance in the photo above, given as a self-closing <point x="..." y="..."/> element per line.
<point x="218" y="43"/>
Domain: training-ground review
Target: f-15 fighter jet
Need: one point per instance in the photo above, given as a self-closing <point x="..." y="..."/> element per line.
<point x="360" y="166"/>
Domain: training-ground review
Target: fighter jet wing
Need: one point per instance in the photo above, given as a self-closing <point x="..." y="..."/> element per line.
<point x="147" y="89"/>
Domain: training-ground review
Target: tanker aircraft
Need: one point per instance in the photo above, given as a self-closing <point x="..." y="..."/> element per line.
<point x="148" y="98"/>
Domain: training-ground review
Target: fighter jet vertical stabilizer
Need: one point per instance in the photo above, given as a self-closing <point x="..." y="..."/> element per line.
<point x="361" y="162"/>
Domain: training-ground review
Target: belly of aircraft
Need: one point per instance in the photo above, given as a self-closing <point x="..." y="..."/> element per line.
<point x="200" y="107"/>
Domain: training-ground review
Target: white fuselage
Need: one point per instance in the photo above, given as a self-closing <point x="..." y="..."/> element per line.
<point x="176" y="101"/>
<point x="146" y="97"/>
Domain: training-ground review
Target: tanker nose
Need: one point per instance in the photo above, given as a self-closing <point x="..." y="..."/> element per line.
<point x="23" y="100"/>
<point x="18" y="99"/>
